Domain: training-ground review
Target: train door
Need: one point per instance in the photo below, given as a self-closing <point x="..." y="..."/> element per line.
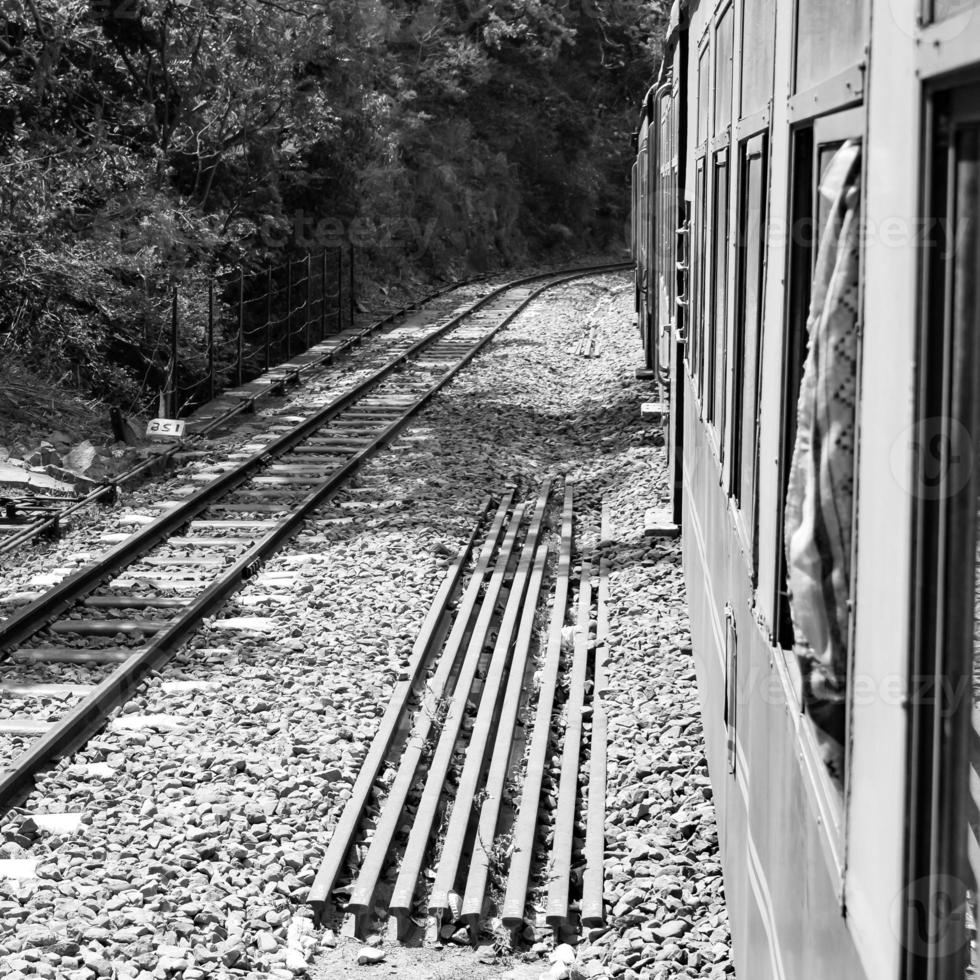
<point x="943" y="861"/>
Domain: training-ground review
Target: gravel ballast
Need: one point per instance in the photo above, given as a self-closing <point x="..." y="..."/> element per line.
<point x="205" y="805"/>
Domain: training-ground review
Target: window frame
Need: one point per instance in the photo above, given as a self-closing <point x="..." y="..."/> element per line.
<point x="698" y="279"/>
<point x="742" y="115"/>
<point x="830" y="796"/>
<point x="718" y="167"/>
<point x="806" y="139"/>
<point x="831" y="92"/>
<point x="717" y="301"/>
<point x="700" y="231"/>
<point x="944" y="532"/>
<point x="745" y="503"/>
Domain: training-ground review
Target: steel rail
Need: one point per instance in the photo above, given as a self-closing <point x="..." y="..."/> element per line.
<point x="425" y="643"/>
<point x="391" y="814"/>
<point x="108" y="490"/>
<point x="476" y="880"/>
<point x="246" y="404"/>
<point x="564" y="829"/>
<point x="31" y="618"/>
<point x="519" y="599"/>
<point x="91" y="712"/>
<point x="418" y="839"/>
<point x="592" y="907"/>
<point x="343" y="834"/>
<point x="512" y="913"/>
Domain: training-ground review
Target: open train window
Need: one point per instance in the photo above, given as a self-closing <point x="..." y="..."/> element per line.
<point x="747" y="337"/>
<point x="819" y="420"/>
<point x="944" y="755"/>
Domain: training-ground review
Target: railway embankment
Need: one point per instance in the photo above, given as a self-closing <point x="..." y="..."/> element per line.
<point x="193" y="824"/>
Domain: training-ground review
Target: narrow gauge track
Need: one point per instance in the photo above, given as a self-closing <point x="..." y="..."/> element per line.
<point x="28" y="518"/>
<point x="231" y="526"/>
<point x="302" y="387"/>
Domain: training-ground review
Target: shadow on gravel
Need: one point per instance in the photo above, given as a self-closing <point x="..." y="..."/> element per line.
<point x="477" y="443"/>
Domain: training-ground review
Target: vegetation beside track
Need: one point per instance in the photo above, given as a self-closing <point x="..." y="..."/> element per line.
<point x="149" y="143"/>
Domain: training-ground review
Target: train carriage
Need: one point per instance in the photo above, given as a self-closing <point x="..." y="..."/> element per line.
<point x="807" y="239"/>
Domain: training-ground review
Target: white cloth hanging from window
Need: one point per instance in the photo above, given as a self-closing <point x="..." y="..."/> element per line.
<point x="820" y="494"/>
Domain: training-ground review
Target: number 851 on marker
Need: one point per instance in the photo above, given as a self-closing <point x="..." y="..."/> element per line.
<point x="165" y="428"/>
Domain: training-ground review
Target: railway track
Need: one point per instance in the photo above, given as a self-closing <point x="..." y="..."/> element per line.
<point x="26" y="518"/>
<point x="128" y="612"/>
<point x="228" y="426"/>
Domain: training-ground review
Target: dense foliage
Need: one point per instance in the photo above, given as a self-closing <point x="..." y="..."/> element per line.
<point x="146" y="142"/>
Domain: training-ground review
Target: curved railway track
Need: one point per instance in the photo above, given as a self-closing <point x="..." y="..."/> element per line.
<point x="28" y="518"/>
<point x="112" y="614"/>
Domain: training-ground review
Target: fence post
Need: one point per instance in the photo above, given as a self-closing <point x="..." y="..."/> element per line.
<point x="351" y="288"/>
<point x="323" y="294"/>
<point x="309" y="293"/>
<point x="174" y="366"/>
<point x="211" y="338"/>
<point x="340" y="287"/>
<point x="241" y="328"/>
<point x="268" y="318"/>
<point x="289" y="310"/>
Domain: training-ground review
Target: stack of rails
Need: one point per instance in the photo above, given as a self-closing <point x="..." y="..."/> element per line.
<point x="457" y="673"/>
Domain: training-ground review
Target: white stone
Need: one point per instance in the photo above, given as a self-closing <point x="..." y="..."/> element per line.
<point x="21" y="868"/>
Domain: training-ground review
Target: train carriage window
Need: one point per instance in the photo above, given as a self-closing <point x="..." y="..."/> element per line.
<point x="717" y="312"/>
<point x="724" y="47"/>
<point x="704" y="94"/>
<point x="819" y="418"/>
<point x="698" y="337"/>
<point x="719" y="292"/>
<point x="944" y="859"/>
<point x="758" y="37"/>
<point x="830" y="37"/>
<point x="643" y="181"/>
<point x="702" y="347"/>
<point x="634" y="216"/>
<point x="747" y="340"/>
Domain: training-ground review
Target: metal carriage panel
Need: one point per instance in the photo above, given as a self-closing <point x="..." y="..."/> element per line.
<point x="781" y="893"/>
